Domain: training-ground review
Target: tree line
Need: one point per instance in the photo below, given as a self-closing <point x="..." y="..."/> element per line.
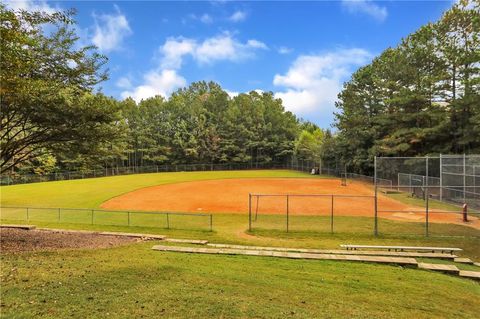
<point x="421" y="97"/>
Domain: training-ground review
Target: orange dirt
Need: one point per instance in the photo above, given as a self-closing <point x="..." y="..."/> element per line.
<point x="231" y="196"/>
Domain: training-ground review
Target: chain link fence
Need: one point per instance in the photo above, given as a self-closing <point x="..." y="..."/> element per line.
<point x="167" y="220"/>
<point x="294" y="164"/>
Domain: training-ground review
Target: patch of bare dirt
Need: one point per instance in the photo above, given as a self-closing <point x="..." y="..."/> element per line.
<point x="19" y="240"/>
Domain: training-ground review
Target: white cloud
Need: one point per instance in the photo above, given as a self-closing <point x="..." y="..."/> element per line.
<point x="222" y="47"/>
<point x="232" y="94"/>
<point x="156" y="82"/>
<point x="238" y="16"/>
<point x="110" y="31"/>
<point x="30" y="5"/>
<point x="313" y="81"/>
<point x="367" y="7"/>
<point x="205" y="18"/>
<point x="124" y="83"/>
<point x="174" y="49"/>
<point x="256" y="44"/>
<point x="284" y="50"/>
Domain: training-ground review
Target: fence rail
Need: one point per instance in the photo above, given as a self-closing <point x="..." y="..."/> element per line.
<point x="167" y="220"/>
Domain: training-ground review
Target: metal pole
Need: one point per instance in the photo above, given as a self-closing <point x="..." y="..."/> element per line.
<point x="168" y="221"/>
<point x="250" y="212"/>
<point x="59" y="214"/>
<point x="92" y="216"/>
<point x="441" y="178"/>
<point x="287" y="213"/>
<point x="464" y="180"/>
<point x="211" y="222"/>
<point x="426" y="198"/>
<point x="331" y="217"/>
<point x="27" y="215"/>
<point x="375" y="231"/>
<point x="128" y="216"/>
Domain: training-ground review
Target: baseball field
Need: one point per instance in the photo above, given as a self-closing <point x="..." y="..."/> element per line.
<point x="86" y="277"/>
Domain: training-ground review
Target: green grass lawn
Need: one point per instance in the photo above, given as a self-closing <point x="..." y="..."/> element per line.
<point x="134" y="281"/>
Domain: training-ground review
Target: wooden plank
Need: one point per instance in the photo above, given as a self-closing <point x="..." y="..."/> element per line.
<point x="477" y="264"/>
<point x="463" y="260"/>
<point x="450" y="249"/>
<point x="340" y="252"/>
<point x="26" y="227"/>
<point x="106" y="233"/>
<point x="136" y="235"/>
<point x="470" y="274"/>
<point x="295" y="255"/>
<point x="187" y="241"/>
<point x="440" y="267"/>
<point x="56" y="230"/>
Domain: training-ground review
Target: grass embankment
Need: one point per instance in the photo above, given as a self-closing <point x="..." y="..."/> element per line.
<point x="134" y="281"/>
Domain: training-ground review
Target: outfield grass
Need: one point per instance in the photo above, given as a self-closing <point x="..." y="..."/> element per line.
<point x="92" y="192"/>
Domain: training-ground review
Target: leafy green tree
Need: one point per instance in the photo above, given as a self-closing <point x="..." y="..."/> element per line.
<point x="46" y="93"/>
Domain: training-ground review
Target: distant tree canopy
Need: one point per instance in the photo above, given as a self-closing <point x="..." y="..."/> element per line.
<point x="421" y="97"/>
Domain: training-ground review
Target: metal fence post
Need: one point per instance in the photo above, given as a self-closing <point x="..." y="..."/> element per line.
<point x="426" y="197"/>
<point x="441" y="178"/>
<point x="375" y="231"/>
<point x="464" y="180"/>
<point x="331" y="217"/>
<point x="59" y="214"/>
<point x="92" y="215"/>
<point x="256" y="208"/>
<point x="211" y="222"/>
<point x="28" y="218"/>
<point x="128" y="216"/>
<point x="249" y="212"/>
<point x="287" y="214"/>
<point x="168" y="220"/>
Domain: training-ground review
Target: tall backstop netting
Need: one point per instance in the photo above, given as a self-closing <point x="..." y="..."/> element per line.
<point x="449" y="178"/>
<point x="445" y="183"/>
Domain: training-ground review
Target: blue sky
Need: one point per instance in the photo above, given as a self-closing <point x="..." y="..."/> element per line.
<point x="301" y="51"/>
